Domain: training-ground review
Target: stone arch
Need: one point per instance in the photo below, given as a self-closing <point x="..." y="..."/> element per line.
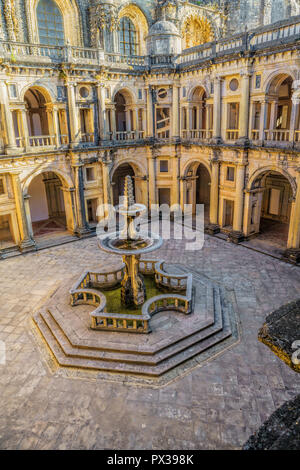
<point x="139" y="19"/>
<point x="261" y="172"/>
<point x="196" y="30"/>
<point x="275" y="80"/>
<point x="117" y="177"/>
<point x="194" y="163"/>
<point x="197" y="91"/>
<point x="48" y="201"/>
<point x="66" y="179"/>
<point x="197" y="184"/>
<point x="71" y="17"/>
<point x="42" y="88"/>
<point x="269" y="207"/>
<point x="129" y="95"/>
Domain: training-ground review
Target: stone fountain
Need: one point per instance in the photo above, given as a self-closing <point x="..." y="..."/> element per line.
<point x="131" y="245"/>
<point x="190" y="317"/>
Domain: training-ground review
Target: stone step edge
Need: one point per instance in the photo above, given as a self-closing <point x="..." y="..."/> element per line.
<point x="155" y="371"/>
<point x="219" y="314"/>
<point x="73" y="351"/>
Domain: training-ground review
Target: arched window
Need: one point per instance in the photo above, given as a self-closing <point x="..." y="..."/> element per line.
<point x="50" y="23"/>
<point x="128" y="37"/>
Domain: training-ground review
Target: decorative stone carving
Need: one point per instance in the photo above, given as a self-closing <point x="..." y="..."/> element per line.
<point x="196" y="31"/>
<point x="11" y="20"/>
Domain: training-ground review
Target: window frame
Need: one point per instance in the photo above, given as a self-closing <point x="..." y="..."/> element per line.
<point x="131" y="43"/>
<point x="58" y="38"/>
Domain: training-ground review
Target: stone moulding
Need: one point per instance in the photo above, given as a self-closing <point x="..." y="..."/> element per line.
<point x="84" y="293"/>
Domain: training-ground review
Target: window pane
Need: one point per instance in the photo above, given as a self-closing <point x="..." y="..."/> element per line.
<point x="50" y="23"/>
<point x="128" y="37"/>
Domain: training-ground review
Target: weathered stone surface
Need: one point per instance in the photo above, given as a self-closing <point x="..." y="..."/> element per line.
<point x="281" y="330"/>
<point x="217" y="405"/>
<point x="281" y="431"/>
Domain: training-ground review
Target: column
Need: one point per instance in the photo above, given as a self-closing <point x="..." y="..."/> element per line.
<point x="294" y="116"/>
<point x="56" y="126"/>
<point x="176" y="176"/>
<point x="73" y="116"/>
<point x="149" y="113"/>
<point x="263" y="120"/>
<point x="136" y="118"/>
<point x="244" y="111"/>
<point x="27" y="243"/>
<point x="175" y="113"/>
<point x="293" y="244"/>
<point x="106" y="183"/>
<point x="152" y="179"/>
<point x="217" y="110"/>
<point x="113" y="123"/>
<point x="11" y="146"/>
<point x="273" y="117"/>
<point x="82" y="225"/>
<point x="239" y="201"/>
<point x="101" y="111"/>
<point x="25" y="132"/>
<point x="214" y="198"/>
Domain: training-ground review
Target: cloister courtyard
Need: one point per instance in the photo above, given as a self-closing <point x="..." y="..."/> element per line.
<point x="215" y="405"/>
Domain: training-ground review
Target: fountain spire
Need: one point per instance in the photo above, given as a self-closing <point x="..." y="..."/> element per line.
<point x="128" y="193"/>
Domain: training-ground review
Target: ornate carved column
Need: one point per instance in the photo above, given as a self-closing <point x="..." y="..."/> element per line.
<point x="82" y="227"/>
<point x="11" y="20"/>
<point x="217" y="110"/>
<point x="244" y="112"/>
<point x="27" y="243"/>
<point x="11" y="146"/>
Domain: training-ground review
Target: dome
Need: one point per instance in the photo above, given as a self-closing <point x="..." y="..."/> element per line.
<point x="163" y="39"/>
<point x="163" y="27"/>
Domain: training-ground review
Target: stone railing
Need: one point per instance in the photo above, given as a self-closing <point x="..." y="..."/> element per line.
<point x="42" y="141"/>
<point x="84" y="293"/>
<point x="87" y="138"/>
<point x="178" y="282"/>
<point x="286" y="31"/>
<point x="232" y="134"/>
<point x="120" y="322"/>
<point x="197" y="134"/>
<point x="283" y="32"/>
<point x="277" y="135"/>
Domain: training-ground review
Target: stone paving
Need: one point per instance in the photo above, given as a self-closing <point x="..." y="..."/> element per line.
<point x="215" y="406"/>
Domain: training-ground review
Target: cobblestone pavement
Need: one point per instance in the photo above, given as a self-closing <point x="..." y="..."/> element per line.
<point x="216" y="406"/>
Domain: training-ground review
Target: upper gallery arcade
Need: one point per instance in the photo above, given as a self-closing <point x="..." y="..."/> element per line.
<point x="177" y="94"/>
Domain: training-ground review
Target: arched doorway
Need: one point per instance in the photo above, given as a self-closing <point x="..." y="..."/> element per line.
<point x="269" y="211"/>
<point x="118" y="181"/>
<point x="198" y="183"/>
<point x="47" y="206"/>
